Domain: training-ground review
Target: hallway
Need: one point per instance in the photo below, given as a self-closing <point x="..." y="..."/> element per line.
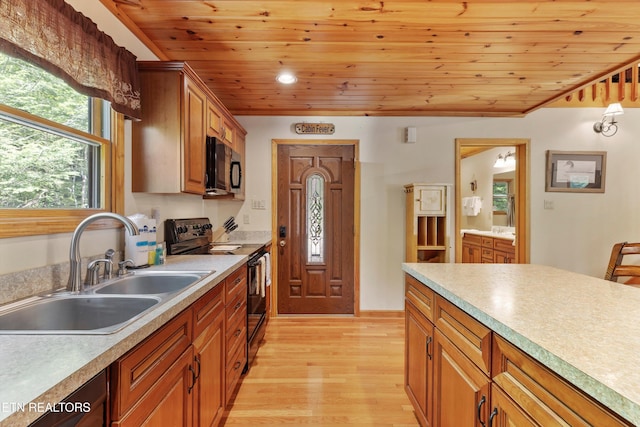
<point x="331" y="371"/>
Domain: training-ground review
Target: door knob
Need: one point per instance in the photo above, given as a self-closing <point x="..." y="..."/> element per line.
<point x="282" y="243"/>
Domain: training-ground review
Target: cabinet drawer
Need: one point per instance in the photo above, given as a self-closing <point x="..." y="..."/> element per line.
<point x="235" y="283"/>
<point x="206" y="308"/>
<point x="469" y="335"/>
<point x="234" y="369"/>
<point x="487" y="254"/>
<point x="420" y="296"/>
<point x="137" y="371"/>
<point x="487" y="242"/>
<point x="504" y="245"/>
<point x="236" y="309"/>
<point x="543" y="395"/>
<point x="472" y="239"/>
<point x="236" y="336"/>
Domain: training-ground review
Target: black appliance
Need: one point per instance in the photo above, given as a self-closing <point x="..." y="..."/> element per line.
<point x="223" y="168"/>
<point x="191" y="236"/>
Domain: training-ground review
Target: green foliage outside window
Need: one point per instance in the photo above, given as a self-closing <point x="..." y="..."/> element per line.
<point x="45" y="166"/>
<point x="500" y="195"/>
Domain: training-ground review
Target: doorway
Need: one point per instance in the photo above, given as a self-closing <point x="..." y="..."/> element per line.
<point x="466" y="147"/>
<point x="315" y="189"/>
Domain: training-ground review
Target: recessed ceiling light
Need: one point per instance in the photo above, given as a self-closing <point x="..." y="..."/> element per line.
<point x="286" y="78"/>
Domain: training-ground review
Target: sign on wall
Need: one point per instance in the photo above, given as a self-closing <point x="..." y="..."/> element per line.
<point x="315" y="128"/>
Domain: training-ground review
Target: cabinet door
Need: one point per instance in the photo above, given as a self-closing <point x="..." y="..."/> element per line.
<point x="168" y="402"/>
<point x="505" y="413"/>
<point x="430" y="199"/>
<point x="208" y="393"/>
<point x="214" y="119"/>
<point x="471" y="253"/>
<point x="193" y="150"/>
<point x="460" y="389"/>
<point x="419" y="363"/>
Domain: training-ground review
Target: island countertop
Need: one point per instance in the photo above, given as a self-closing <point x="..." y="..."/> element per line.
<point x="585" y="329"/>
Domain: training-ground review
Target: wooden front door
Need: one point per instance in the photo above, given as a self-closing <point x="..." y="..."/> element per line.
<point x="315" y="234"/>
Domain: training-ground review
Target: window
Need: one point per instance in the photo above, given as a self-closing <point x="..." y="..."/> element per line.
<point x="55" y="152"/>
<point x="500" y="196"/>
<point x="315" y="218"/>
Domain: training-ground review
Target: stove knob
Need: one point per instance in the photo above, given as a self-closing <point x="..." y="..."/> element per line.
<point x="208" y="226"/>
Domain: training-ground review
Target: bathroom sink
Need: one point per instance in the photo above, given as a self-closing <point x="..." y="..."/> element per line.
<point x="150" y="283"/>
<point x="75" y="314"/>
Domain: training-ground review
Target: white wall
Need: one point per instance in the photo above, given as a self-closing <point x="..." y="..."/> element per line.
<point x="576" y="235"/>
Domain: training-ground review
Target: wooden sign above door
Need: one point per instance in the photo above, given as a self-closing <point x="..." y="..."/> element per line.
<point x="315" y="128"/>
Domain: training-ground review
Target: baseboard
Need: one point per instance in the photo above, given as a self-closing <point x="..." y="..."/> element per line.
<point x="382" y="313"/>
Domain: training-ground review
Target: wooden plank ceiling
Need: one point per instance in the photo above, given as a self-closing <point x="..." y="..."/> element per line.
<point x="390" y="58"/>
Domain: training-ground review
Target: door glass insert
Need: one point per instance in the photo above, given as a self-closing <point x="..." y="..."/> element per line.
<point x="315" y="218"/>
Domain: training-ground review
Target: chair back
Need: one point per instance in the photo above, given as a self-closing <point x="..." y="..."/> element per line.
<point x="617" y="268"/>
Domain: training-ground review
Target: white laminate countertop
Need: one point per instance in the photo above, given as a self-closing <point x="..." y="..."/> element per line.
<point x="506" y="236"/>
<point x="585" y="329"/>
<point x="47" y="368"/>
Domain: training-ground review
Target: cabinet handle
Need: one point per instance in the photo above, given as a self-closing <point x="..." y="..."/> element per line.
<point x="482" y="402"/>
<point x="492" y="416"/>
<point x="238" y="332"/>
<point x="193" y="379"/>
<point x="237" y="305"/>
<point x="237" y="365"/>
<point x="429" y="341"/>
<point x="197" y="359"/>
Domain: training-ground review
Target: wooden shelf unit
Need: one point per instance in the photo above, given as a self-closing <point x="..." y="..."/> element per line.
<point x="426" y="230"/>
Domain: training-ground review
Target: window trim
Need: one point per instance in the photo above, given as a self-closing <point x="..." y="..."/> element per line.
<point x="33" y="222"/>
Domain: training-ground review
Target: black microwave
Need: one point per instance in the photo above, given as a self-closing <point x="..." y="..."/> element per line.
<point x="223" y="168"/>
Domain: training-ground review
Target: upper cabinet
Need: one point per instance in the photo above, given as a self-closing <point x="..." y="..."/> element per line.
<point x="179" y="111"/>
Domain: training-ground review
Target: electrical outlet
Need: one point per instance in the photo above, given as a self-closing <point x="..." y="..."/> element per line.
<point x="246" y="219"/>
<point x="548" y="204"/>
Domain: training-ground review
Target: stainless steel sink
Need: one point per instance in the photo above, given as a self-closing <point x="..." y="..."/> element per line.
<point x="75" y="314"/>
<point x="150" y="283"/>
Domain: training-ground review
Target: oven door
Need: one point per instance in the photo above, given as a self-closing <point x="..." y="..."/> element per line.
<point x="256" y="306"/>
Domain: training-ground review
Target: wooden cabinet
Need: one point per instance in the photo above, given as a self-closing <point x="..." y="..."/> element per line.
<point x="169" y="143"/>
<point x="186" y="372"/>
<point x="154" y="379"/>
<point x="487" y="249"/>
<point x="531" y="394"/>
<point x="471" y="248"/>
<point x="447" y="360"/>
<point x="503" y="251"/>
<point x="194" y="139"/>
<point x="236" y="328"/>
<point x="476" y="377"/>
<point x="419" y="349"/>
<point x="426" y="237"/>
<point x="460" y="389"/>
<point x="209" y="354"/>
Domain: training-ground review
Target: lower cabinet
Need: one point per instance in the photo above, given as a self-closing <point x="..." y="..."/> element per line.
<point x="419" y="363"/>
<point x="460" y="373"/>
<point x="179" y="376"/>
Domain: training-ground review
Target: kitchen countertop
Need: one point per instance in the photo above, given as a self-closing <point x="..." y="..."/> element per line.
<point x="47" y="368"/>
<point x="585" y="329"/>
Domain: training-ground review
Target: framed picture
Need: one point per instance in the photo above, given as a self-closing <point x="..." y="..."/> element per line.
<point x="576" y="171"/>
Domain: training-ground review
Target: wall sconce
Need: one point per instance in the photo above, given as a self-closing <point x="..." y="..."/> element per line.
<point x="608" y="125"/>
<point x="508" y="159"/>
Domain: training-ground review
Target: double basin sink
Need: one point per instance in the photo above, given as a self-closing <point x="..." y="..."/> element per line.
<point x="104" y="309"/>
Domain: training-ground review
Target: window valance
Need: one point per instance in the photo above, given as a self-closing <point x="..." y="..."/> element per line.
<point x="54" y="36"/>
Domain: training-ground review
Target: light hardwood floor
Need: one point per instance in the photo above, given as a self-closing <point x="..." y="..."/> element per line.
<point x="332" y="371"/>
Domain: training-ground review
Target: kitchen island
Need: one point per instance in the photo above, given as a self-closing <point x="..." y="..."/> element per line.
<point x="43" y="369"/>
<point x="583" y="329"/>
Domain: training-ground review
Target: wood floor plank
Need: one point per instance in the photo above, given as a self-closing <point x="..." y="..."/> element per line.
<point x="326" y="371"/>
